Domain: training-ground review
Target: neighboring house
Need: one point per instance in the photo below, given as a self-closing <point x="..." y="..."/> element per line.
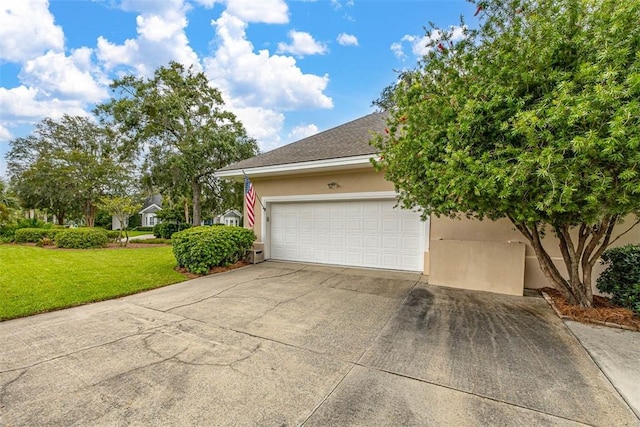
<point x="150" y="208"/>
<point x="115" y="223"/>
<point x="325" y="203"/>
<point x="230" y="217"/>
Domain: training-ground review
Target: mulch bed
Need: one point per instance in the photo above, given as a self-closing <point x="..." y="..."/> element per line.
<point x="214" y="270"/>
<point x="603" y="312"/>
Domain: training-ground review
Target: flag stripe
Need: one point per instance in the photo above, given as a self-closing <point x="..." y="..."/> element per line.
<point x="250" y="199"/>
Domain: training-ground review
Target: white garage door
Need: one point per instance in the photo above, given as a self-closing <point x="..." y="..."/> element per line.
<point x="368" y="233"/>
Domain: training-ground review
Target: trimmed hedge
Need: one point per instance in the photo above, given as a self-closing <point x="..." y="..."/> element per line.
<point x="82" y="238"/>
<point x="165" y="230"/>
<point x="621" y="279"/>
<point x="113" y="235"/>
<point x="34" y="235"/>
<point x="200" y="248"/>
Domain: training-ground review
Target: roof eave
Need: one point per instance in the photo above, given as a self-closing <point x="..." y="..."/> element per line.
<point x="153" y="205"/>
<point x="342" y="163"/>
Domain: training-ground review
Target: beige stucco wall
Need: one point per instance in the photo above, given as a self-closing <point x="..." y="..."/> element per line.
<point x="478" y="265"/>
<point x="364" y="180"/>
<point x="504" y="232"/>
<point x="498" y="246"/>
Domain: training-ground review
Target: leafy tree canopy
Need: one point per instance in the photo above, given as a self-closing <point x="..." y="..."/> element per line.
<point x="534" y="117"/>
<point x="66" y="165"/>
<point x="180" y="122"/>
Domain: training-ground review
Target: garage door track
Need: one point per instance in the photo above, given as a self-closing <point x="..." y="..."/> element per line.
<point x="281" y="344"/>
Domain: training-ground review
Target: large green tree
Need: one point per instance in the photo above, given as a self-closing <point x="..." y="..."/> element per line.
<point x="9" y="203"/>
<point x="66" y="165"/>
<point x="179" y="122"/>
<point x="534" y="117"/>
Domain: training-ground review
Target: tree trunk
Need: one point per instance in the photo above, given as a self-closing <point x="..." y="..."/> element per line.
<point x="60" y="218"/>
<point x="89" y="213"/>
<point x="185" y="205"/>
<point x="579" y="257"/>
<point x="196" y="188"/>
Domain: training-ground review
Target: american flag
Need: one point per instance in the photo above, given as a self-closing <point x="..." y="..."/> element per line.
<point x="250" y="198"/>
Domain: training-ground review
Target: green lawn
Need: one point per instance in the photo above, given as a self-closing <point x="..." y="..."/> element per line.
<point x="34" y="280"/>
<point x="136" y="233"/>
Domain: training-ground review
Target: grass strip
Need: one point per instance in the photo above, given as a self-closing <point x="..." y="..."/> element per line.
<point x="34" y="280"/>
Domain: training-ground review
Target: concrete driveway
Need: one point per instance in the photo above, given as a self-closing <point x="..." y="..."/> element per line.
<point x="285" y="344"/>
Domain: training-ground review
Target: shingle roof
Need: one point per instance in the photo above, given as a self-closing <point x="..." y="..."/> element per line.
<point x="347" y="140"/>
<point x="155" y="199"/>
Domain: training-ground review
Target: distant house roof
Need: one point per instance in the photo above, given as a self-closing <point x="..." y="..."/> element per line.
<point x="348" y="140"/>
<point x="152" y="204"/>
<point x="232" y="212"/>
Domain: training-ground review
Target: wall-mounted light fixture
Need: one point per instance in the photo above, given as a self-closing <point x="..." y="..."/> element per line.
<point x="333" y="185"/>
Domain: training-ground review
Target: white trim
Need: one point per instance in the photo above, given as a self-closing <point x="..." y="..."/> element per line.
<point x="292" y="168"/>
<point x="370" y="195"/>
<point x="149" y="207"/>
<point x="332" y="196"/>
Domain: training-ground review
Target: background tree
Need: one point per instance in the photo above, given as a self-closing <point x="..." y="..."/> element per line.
<point x="65" y="166"/>
<point x="181" y="119"/>
<point x="535" y="117"/>
<point x="9" y="203"/>
<point x="122" y="208"/>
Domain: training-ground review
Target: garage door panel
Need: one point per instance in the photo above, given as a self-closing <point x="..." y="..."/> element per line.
<point x="353" y="241"/>
<point x="369" y="233"/>
<point x="354" y="224"/>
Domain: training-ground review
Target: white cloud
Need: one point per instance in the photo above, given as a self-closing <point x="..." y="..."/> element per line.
<point x="397" y="50"/>
<point x="28" y="104"/>
<point x="68" y="77"/>
<point x="265" y="11"/>
<point x="161" y="38"/>
<point x="302" y="131"/>
<point x="337" y="4"/>
<point x="263" y="124"/>
<point x="347" y="39"/>
<point x="260" y="79"/>
<point x="302" y="44"/>
<point x="27" y="30"/>
<point x="5" y="135"/>
<point x="419" y="45"/>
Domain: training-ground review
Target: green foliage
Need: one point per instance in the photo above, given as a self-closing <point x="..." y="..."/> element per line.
<point x="140" y="228"/>
<point x="9" y="204"/>
<point x="103" y="219"/>
<point x="152" y="241"/>
<point x="165" y="230"/>
<point x="621" y="279"/>
<point x="534" y="117"/>
<point x="121" y="208"/>
<point x="34" y="235"/>
<point x="181" y="118"/>
<point x="82" y="238"/>
<point x="201" y="248"/>
<point x="65" y="165"/>
<point x="113" y="235"/>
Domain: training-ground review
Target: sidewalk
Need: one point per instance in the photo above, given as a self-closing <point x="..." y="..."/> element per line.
<point x="617" y="353"/>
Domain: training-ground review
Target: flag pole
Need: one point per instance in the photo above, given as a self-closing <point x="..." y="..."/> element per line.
<point x="257" y="196"/>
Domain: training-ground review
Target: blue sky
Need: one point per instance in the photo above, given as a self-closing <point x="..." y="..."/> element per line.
<point x="287" y="68"/>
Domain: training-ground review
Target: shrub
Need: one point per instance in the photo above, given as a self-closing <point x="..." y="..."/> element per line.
<point x="155" y="241"/>
<point x="34" y="235"/>
<point x="621" y="279"/>
<point x="113" y="235"/>
<point x="200" y="248"/>
<point x="82" y="238"/>
<point x="165" y="230"/>
<point x="45" y="241"/>
<point x="142" y="228"/>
